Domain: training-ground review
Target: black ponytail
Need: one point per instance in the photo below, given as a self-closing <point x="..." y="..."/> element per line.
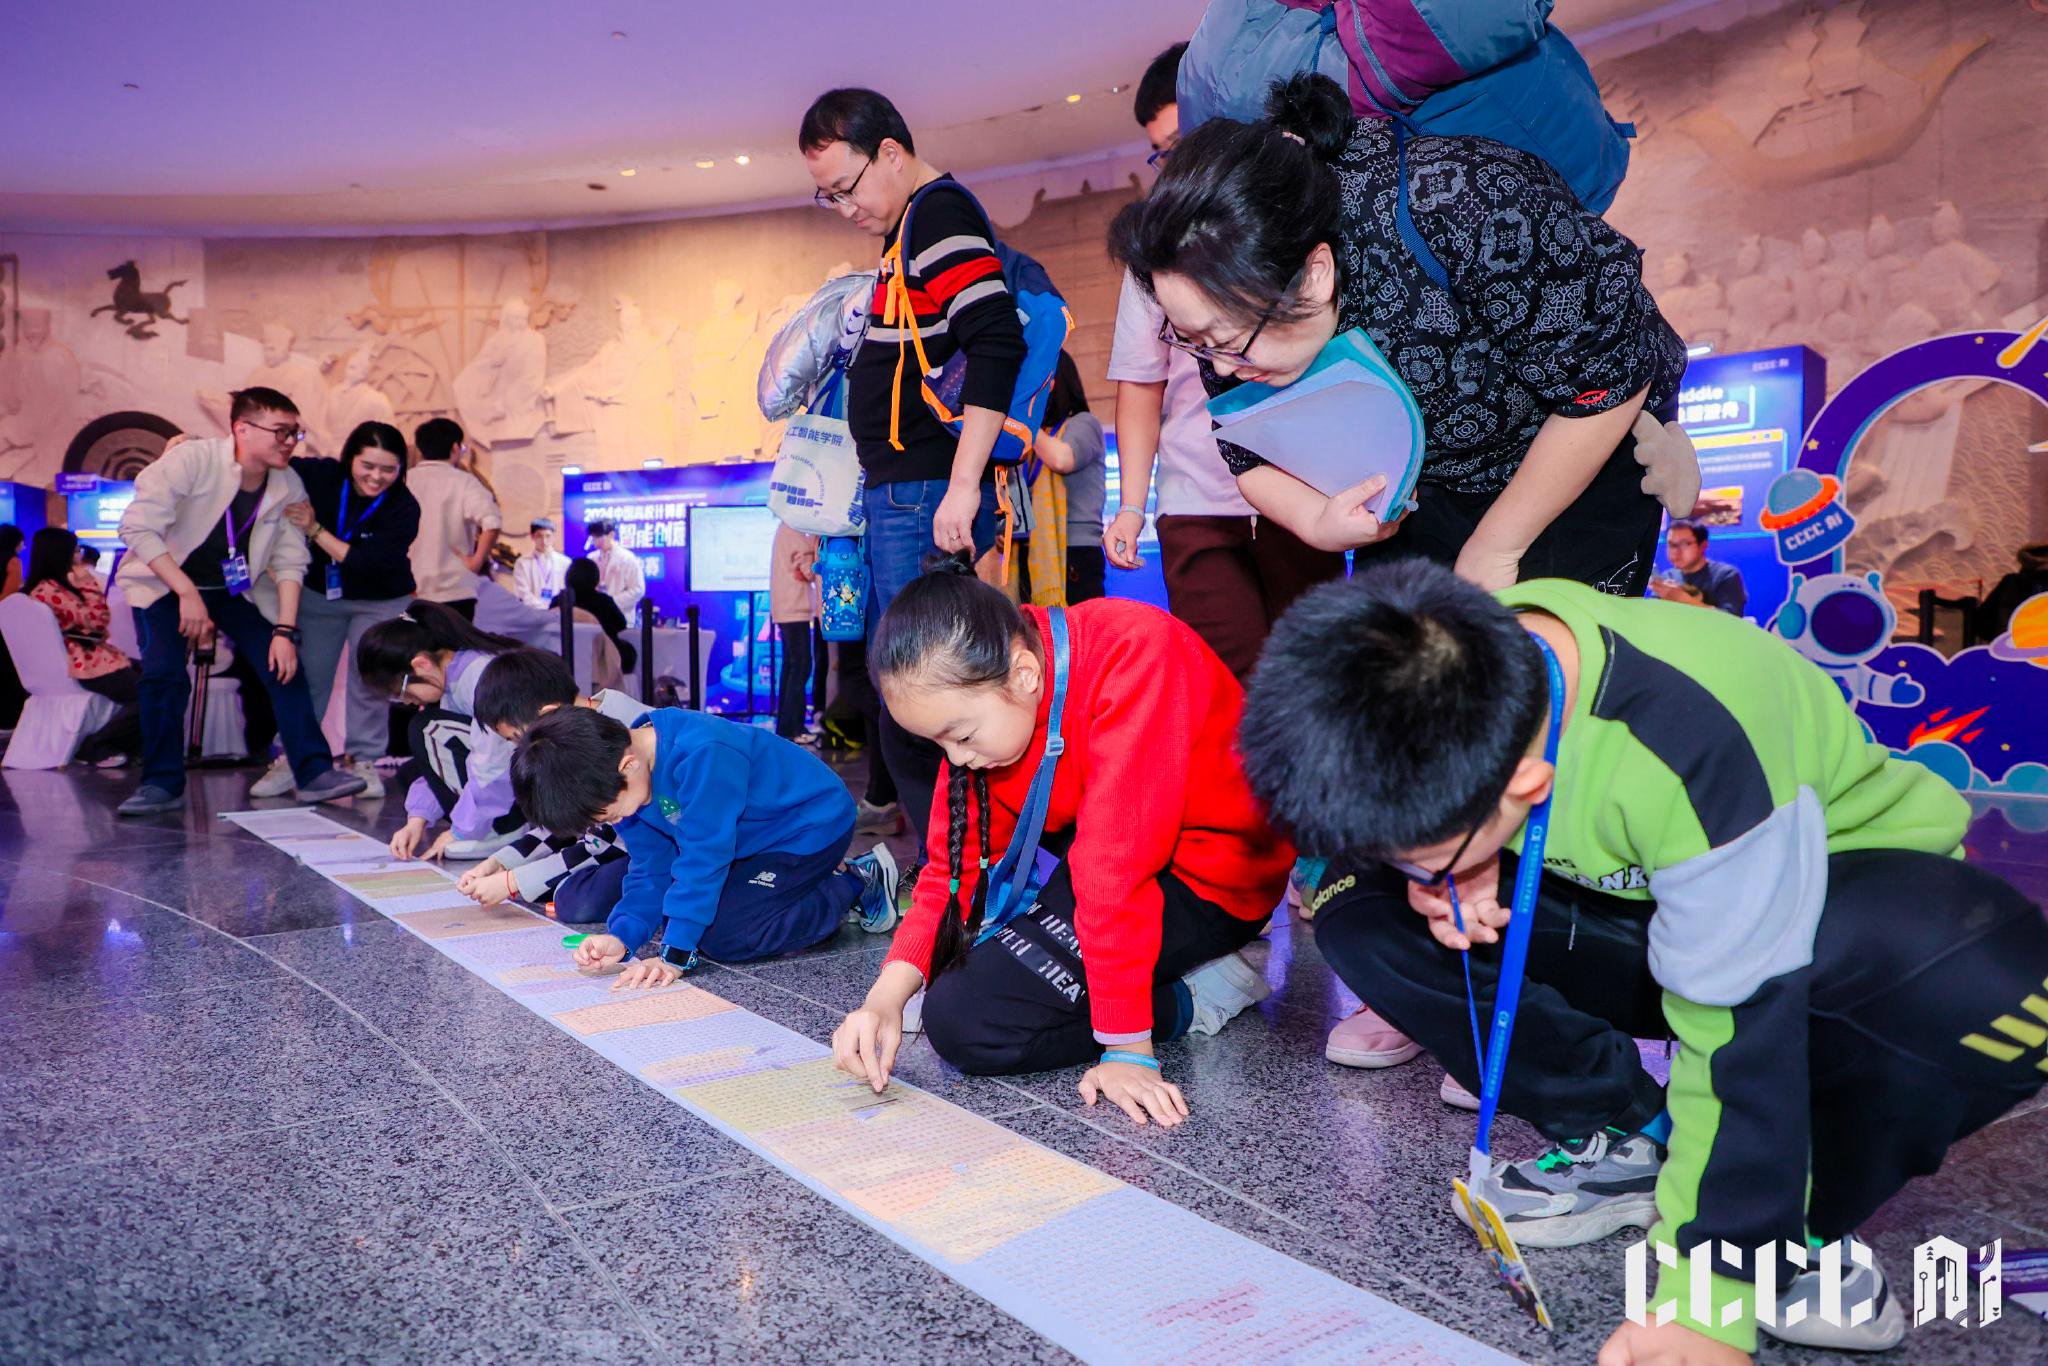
<point x="958" y="926"/>
<point x="386" y="654"/>
<point x="1239" y="206"/>
<point x="948" y="629"/>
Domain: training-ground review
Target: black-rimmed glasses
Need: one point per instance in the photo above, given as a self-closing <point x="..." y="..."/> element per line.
<point x="839" y="199"/>
<point x="1422" y="877"/>
<point x="287" y="436"/>
<point x="1242" y="355"/>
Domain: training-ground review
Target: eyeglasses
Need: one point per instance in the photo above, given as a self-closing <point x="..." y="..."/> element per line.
<point x="1160" y="154"/>
<point x="839" y="199"/>
<point x="286" y="436"/>
<point x="1422" y="877"/>
<point x="1242" y="355"/>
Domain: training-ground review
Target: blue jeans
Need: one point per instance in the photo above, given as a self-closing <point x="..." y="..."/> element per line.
<point x="166" y="690"/>
<point x="897" y="544"/>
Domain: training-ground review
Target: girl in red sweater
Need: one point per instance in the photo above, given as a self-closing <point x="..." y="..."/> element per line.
<point x="1167" y="866"/>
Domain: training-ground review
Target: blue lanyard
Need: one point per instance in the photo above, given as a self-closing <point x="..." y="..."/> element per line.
<point x="341" y="527"/>
<point x="228" y="520"/>
<point x="1493" y="1062"/>
<point x="1007" y="882"/>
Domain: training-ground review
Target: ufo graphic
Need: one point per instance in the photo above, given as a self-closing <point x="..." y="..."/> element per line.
<point x="2026" y="637"/>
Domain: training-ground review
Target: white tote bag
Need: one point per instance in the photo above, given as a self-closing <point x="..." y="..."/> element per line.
<point x="817" y="482"/>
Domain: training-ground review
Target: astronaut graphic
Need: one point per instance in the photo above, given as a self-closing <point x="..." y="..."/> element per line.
<point x="1840" y="622"/>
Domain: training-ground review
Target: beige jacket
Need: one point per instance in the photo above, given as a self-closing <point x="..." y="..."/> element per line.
<point x="182" y="497"/>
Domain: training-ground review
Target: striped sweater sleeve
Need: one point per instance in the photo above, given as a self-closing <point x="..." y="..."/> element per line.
<point x="543" y="868"/>
<point x="957" y="290"/>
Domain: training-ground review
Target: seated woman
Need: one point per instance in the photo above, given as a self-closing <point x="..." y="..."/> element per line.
<point x="1168" y="865"/>
<point x="580" y="584"/>
<point x="72" y="592"/>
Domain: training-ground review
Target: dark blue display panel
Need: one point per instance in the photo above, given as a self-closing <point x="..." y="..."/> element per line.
<point x="93" y="508"/>
<point x="652" y="511"/>
<point x="1746" y="413"/>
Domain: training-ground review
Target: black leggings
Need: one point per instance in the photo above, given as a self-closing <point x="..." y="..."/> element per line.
<point x="122" y="734"/>
<point x="796" y="676"/>
<point x="1019" y="1003"/>
<point x="1914" y="954"/>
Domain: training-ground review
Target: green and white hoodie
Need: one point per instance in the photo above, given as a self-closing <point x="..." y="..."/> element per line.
<point x="1708" y="768"/>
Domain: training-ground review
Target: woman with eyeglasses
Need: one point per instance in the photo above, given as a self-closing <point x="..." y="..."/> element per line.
<point x="1517" y="319"/>
<point x="359" y="521"/>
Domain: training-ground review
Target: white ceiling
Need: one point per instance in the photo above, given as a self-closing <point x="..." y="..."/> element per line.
<point x="290" y="116"/>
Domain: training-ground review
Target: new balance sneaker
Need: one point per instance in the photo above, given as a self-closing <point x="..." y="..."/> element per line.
<point x="1885" y="1327"/>
<point x="1365" y="1039"/>
<point x="1222" y="988"/>
<point x="878" y="877"/>
<point x="877" y="820"/>
<point x="473" y="851"/>
<point x="1578" y="1191"/>
<point x="149" y="800"/>
<point x="1456" y="1096"/>
<point x="276" y="780"/>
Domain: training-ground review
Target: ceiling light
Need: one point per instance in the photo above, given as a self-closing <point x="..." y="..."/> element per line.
<point x="742" y="159"/>
<point x="628" y="170"/>
<point x="1073" y="99"/>
<point x="706" y="164"/>
<point x="572" y="469"/>
<point x="652" y="462"/>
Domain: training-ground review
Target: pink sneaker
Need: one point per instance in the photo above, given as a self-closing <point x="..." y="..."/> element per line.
<point x="1366" y="1040"/>
<point x="1453" y="1094"/>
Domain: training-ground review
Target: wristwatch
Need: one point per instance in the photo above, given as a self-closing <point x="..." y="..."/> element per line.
<point x="682" y="960"/>
<point x="290" y="633"/>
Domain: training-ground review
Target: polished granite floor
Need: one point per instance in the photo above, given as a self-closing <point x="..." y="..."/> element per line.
<point x="243" y="1117"/>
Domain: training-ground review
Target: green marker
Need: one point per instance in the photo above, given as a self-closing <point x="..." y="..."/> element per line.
<point x="571" y="941"/>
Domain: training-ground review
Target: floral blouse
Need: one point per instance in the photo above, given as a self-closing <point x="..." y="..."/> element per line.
<point x="83" y="617"/>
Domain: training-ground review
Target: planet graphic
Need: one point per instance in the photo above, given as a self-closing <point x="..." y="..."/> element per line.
<point x="2026" y="637"/>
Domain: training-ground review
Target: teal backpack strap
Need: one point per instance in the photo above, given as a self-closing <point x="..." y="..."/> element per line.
<point x="1009" y="880"/>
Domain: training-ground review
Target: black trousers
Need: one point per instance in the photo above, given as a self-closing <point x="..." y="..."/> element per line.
<point x="1607" y="537"/>
<point x="1915" y="953"/>
<point x="123" y="734"/>
<point x="1085" y="570"/>
<point x="796" y="676"/>
<point x="1019" y="1003"/>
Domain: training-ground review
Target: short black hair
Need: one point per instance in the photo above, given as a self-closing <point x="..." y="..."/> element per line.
<point x="565" y="772"/>
<point x="516" y="685"/>
<point x="246" y="403"/>
<point x="1388" y="712"/>
<point x="1698" y="529"/>
<point x="862" y="119"/>
<point x="1159" y="86"/>
<point x="600" y="526"/>
<point x="437" y="438"/>
<point x="88" y="554"/>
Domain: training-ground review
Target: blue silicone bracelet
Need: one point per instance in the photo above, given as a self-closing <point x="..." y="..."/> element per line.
<point x="1124" y="1055"/>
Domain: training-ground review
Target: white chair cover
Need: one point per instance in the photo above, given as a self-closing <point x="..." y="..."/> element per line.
<point x="58" y="713"/>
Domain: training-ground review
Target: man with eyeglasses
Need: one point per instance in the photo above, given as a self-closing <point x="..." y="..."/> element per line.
<point x="209" y="549"/>
<point x="1227" y="574"/>
<point x="927" y="491"/>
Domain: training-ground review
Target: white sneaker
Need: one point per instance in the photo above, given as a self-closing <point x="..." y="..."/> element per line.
<point x="1885" y="1327"/>
<point x="373" y="786"/>
<point x="276" y="781"/>
<point x="1452" y="1094"/>
<point x="473" y="851"/>
<point x="1222" y="988"/>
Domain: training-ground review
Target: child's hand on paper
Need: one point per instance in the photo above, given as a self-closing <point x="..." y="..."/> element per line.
<point x="865" y="1044"/>
<point x="1478" y="903"/>
<point x="407" y="837"/>
<point x="1345" y="523"/>
<point x="439" y="847"/>
<point x="599" y="950"/>
<point x="647" y="973"/>
<point x="489" y="889"/>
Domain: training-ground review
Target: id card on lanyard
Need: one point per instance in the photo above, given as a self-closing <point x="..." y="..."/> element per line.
<point x="234" y="570"/>
<point x="1494" y="1239"/>
<point x="342" y="531"/>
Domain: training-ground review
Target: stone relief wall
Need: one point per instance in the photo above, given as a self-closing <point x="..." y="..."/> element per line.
<point x="1860" y="176"/>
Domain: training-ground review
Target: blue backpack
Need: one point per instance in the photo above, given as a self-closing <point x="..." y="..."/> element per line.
<point x="1046" y="323"/>
<point x="1474" y="68"/>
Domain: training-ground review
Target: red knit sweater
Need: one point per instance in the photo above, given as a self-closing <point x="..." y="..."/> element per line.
<point x="1149" y="783"/>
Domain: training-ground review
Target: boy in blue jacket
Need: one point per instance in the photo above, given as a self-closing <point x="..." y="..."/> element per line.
<point x="735" y="838"/>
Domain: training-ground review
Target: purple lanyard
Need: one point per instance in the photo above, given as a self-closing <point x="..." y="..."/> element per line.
<point x="228" y="520"/>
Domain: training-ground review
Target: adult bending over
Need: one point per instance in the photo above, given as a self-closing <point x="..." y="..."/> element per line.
<point x="1264" y="241"/>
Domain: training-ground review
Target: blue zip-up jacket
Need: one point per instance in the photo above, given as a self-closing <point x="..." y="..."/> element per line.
<point x="722" y="792"/>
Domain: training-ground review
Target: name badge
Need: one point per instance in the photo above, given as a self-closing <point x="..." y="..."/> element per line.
<point x="334" y="583"/>
<point x="234" y="572"/>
